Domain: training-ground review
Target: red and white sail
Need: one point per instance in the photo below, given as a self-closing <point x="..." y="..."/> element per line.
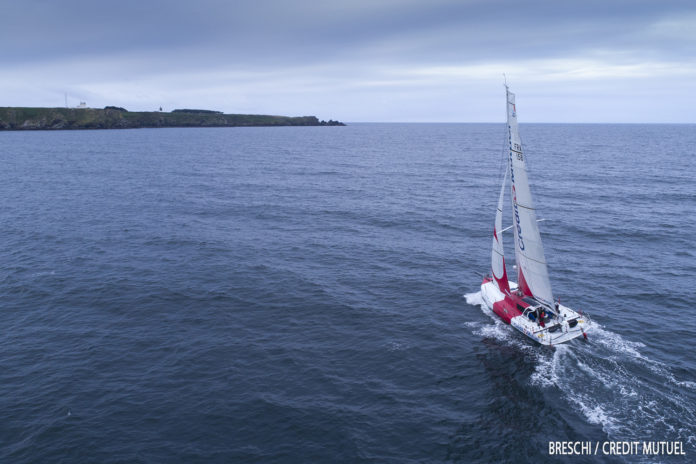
<point x="498" y="254"/>
<point x="533" y="274"/>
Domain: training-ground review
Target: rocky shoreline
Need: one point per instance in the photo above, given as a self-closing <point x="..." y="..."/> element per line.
<point x="18" y="118"/>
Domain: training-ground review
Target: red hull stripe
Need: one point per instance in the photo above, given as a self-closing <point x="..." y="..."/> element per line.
<point x="506" y="309"/>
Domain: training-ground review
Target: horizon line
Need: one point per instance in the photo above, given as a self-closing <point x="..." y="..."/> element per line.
<point x="522" y="123"/>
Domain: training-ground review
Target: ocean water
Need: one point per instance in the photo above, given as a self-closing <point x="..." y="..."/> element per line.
<point x="311" y="294"/>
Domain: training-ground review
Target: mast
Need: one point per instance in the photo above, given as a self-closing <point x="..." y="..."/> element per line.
<point x="532" y="270"/>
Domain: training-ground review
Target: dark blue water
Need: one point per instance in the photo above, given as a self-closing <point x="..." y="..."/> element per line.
<point x="310" y="294"/>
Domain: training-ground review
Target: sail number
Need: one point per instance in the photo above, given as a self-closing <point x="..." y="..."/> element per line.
<point x="520" y="157"/>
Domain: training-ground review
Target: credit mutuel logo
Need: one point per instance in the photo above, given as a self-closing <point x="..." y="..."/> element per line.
<point x="520" y="239"/>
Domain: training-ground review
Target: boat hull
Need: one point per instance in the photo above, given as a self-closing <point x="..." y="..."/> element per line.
<point x="568" y="325"/>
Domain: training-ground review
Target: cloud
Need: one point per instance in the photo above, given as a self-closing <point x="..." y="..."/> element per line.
<point x="676" y="28"/>
<point x="359" y="60"/>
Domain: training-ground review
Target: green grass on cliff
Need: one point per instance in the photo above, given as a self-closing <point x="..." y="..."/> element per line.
<point x="21" y="118"/>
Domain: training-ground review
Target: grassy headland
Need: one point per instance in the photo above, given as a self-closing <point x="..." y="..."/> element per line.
<point x="19" y="118"/>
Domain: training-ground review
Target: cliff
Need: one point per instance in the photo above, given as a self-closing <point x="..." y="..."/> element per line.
<point x="111" y="117"/>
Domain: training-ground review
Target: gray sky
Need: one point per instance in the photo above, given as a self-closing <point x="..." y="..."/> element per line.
<point x="357" y="60"/>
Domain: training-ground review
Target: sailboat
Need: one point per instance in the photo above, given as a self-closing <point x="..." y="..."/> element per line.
<point x="528" y="304"/>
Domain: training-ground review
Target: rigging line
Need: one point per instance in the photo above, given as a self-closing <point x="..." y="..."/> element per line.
<point x="503" y="152"/>
<point x="525" y="207"/>
<point x="504" y="138"/>
<point x="527" y="166"/>
<point x="502" y="166"/>
<point x="532" y="259"/>
<point x="510" y="227"/>
<point x="522" y="148"/>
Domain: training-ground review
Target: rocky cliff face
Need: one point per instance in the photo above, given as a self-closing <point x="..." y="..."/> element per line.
<point x="12" y="118"/>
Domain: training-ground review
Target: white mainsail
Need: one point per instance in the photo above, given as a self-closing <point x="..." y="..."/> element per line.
<point x="532" y="271"/>
<point x="498" y="253"/>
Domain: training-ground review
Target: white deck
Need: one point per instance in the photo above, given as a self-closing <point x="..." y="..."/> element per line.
<point x="490" y="294"/>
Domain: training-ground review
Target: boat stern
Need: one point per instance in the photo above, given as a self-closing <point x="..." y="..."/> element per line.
<point x="574" y="325"/>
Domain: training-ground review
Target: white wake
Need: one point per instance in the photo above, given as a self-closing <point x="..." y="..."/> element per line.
<point x="605" y="381"/>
